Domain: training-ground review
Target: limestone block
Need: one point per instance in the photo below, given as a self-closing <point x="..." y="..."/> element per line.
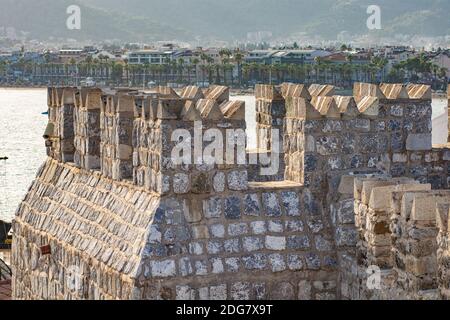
<point x="381" y="196"/>
<point x="442" y="217"/>
<point x="275" y="243"/>
<point x="419" y="142"/>
<point x="163" y="268"/>
<point x="394" y="91"/>
<point x="181" y="183"/>
<point x="200" y="232"/>
<point x="319" y="90"/>
<point x="251" y="244"/>
<point x="368" y="106"/>
<point x="421" y="266"/>
<point x="379" y="240"/>
<point x="238" y="180"/>
<point x="419" y="91"/>
<point x="347" y="185"/>
<point x="424" y="206"/>
<point x="368" y="185"/>
<point x="294" y="90"/>
<point x="201" y="183"/>
<point x="192" y="209"/>
<point x="367" y="90"/>
<point x="358" y="185"/>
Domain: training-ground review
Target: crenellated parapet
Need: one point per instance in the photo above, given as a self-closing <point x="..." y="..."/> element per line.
<point x="402" y="228"/>
<point x="152" y="194"/>
<point x="116" y="124"/>
<point x="378" y="127"/>
<point x="386" y="127"/>
<point x="86" y="123"/>
<point x="127" y="134"/>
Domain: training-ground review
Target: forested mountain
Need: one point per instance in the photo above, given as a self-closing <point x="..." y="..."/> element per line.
<point x="134" y="20"/>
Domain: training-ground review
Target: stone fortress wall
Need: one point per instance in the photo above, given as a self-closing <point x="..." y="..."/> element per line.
<point x="111" y="216"/>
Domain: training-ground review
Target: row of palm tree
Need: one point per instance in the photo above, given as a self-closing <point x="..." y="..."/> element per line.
<point x="322" y="71"/>
<point x="415" y="68"/>
<point x="230" y="70"/>
<point x="201" y="69"/>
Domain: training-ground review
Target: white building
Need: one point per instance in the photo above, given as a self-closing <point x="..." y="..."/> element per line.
<point x="150" y="56"/>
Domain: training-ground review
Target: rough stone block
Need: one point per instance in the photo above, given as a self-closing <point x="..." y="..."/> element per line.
<point x="424" y="207"/>
<point x="163" y="269"/>
<point x="381" y="196"/>
<point x="419" y="142"/>
<point x="237" y="180"/>
<point x="346" y="186"/>
<point x="275" y="243"/>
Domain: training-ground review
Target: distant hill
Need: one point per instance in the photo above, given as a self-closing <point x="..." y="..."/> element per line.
<point x="232" y="19"/>
<point x="134" y="20"/>
<point x="43" y="19"/>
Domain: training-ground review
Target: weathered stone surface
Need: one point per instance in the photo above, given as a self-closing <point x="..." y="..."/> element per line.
<point x="237" y="180"/>
<point x="298" y="242"/>
<point x="291" y="203"/>
<point x="283" y="291"/>
<point x="258" y="227"/>
<point x="255" y="262"/>
<point x="418" y="142"/>
<point x="295" y="262"/>
<point x="212" y="208"/>
<point x="275" y="243"/>
<point x="271" y="204"/>
<point x="201" y="183"/>
<point x="237" y="229"/>
<point x="163" y="268"/>
<point x="251" y="244"/>
<point x="219" y="182"/>
<point x="252" y="205"/>
<point x="217" y="231"/>
<point x="181" y="183"/>
<point x="201" y="231"/>
<point x="346" y="236"/>
<point x="240" y="291"/>
<point x="232" y="208"/>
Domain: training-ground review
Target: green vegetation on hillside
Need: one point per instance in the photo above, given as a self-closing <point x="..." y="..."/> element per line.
<point x="135" y="20"/>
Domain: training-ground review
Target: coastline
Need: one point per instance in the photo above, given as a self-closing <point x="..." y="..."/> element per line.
<point x="23" y="87"/>
<point x="233" y="92"/>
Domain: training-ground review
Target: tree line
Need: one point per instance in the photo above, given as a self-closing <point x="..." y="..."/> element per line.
<point x="232" y="70"/>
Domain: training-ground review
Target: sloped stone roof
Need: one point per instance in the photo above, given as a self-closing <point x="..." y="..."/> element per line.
<point x="107" y="220"/>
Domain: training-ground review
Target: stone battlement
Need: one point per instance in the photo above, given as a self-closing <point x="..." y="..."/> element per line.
<point x="403" y="231"/>
<point x="102" y="130"/>
<point x="114" y="206"/>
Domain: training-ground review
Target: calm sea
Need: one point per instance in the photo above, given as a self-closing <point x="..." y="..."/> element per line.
<point x="21" y="129"/>
<point x="22" y="125"/>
